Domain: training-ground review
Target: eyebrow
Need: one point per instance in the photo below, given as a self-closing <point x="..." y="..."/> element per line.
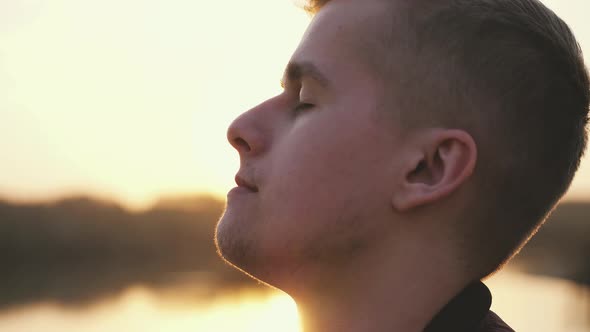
<point x="297" y="71"/>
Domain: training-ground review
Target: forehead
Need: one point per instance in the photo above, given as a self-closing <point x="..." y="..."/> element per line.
<point x="340" y="38"/>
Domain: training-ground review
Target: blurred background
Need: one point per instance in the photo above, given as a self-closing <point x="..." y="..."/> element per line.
<point x="114" y="168"/>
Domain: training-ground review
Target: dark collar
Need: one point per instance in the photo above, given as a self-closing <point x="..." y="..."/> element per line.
<point x="465" y="312"/>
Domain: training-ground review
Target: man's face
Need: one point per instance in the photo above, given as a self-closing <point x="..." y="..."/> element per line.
<point x="320" y="154"/>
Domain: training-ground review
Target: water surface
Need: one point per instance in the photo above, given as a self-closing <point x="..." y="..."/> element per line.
<point x="527" y="303"/>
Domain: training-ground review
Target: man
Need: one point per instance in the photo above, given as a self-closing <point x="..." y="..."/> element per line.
<point x="417" y="145"/>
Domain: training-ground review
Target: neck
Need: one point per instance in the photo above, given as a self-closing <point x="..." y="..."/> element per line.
<point x="381" y="291"/>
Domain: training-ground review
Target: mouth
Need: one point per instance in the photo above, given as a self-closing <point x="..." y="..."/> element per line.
<point x="241" y="182"/>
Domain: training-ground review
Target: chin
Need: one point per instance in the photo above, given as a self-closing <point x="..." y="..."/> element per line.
<point x="234" y="242"/>
<point x="238" y="246"/>
<point x="241" y="255"/>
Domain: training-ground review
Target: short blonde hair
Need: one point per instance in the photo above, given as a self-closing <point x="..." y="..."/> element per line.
<point x="511" y="73"/>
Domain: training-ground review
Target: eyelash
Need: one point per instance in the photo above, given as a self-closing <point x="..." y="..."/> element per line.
<point x="302" y="107"/>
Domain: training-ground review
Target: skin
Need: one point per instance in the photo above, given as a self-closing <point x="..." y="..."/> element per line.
<point x="352" y="213"/>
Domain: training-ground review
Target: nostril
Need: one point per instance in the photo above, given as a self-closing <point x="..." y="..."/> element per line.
<point x="241" y="144"/>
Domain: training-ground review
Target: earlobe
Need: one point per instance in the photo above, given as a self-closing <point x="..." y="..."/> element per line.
<point x="441" y="161"/>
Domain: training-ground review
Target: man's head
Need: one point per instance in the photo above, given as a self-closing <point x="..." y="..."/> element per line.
<point x="452" y="125"/>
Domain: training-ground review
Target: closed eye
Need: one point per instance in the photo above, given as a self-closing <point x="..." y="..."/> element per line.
<point x="302" y="107"/>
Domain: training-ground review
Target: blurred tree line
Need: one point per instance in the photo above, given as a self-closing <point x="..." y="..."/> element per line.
<point x="79" y="249"/>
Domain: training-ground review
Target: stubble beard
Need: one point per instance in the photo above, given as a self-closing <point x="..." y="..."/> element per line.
<point x="232" y="243"/>
<point x="330" y="249"/>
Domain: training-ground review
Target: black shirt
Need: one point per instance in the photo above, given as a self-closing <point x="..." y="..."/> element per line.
<point x="469" y="311"/>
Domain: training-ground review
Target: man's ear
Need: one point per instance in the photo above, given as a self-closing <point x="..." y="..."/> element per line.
<point x="439" y="162"/>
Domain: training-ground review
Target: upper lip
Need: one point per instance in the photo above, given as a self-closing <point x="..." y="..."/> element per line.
<point x="241" y="182"/>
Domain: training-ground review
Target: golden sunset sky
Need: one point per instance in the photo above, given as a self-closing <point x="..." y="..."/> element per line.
<point x="130" y="99"/>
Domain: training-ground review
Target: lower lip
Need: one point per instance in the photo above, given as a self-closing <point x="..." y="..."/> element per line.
<point x="239" y="191"/>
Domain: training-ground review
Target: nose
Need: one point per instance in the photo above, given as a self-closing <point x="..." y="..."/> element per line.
<point x="245" y="135"/>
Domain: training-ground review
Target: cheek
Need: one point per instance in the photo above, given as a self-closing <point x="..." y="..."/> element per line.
<point x="323" y="168"/>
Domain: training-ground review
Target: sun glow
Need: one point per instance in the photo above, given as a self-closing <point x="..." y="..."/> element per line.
<point x="139" y="309"/>
<point x="131" y="99"/>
